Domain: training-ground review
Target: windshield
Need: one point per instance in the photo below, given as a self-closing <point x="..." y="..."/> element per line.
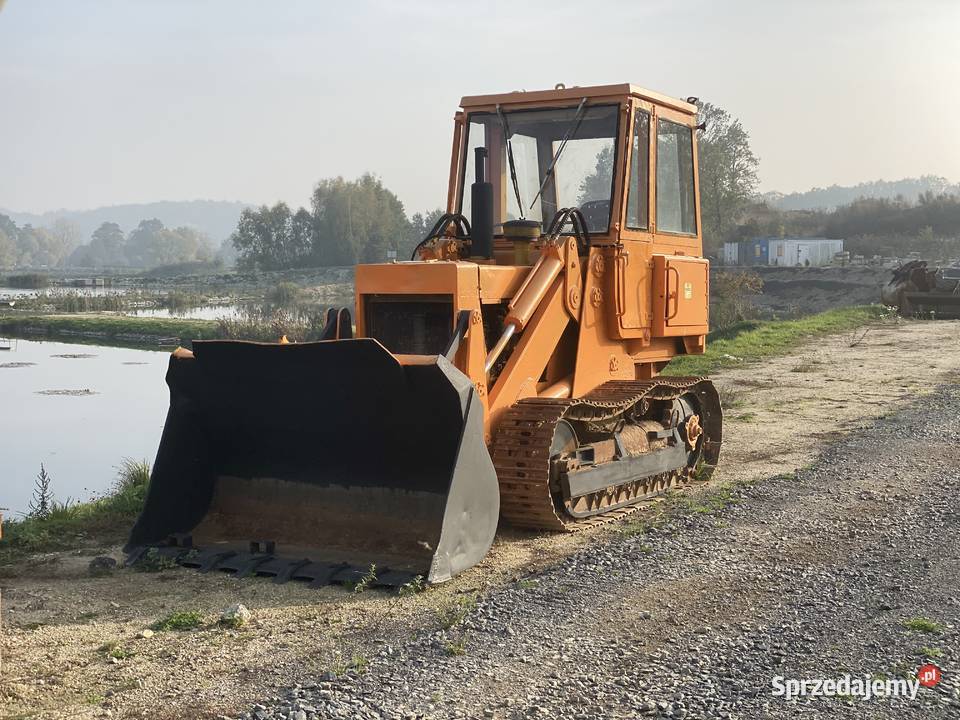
<point x="581" y="176"/>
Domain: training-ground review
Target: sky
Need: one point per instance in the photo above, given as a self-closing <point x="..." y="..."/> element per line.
<point x="105" y="102"/>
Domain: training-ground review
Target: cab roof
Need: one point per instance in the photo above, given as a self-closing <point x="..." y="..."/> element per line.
<point x="575" y="93"/>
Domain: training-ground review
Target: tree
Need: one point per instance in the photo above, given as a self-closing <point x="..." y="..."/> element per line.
<point x="64" y="237"/>
<point x="728" y="171"/>
<point x="356" y="221"/>
<point x="8" y="250"/>
<point x="42" y="501"/>
<point x="151" y="244"/>
<point x="28" y="246"/>
<point x="273" y="238"/>
<point x="596" y="185"/>
<point x="106" y="248"/>
<point x="139" y="250"/>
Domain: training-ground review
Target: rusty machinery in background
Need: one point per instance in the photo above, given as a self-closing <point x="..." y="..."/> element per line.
<point x="919" y="291"/>
<point x="509" y="370"/>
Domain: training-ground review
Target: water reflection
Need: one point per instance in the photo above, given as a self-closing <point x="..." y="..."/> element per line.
<point x="79" y="414"/>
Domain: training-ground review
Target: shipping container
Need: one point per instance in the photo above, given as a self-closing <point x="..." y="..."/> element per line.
<point x="731" y="253"/>
<point x="812" y="252"/>
<point x="755" y="252"/>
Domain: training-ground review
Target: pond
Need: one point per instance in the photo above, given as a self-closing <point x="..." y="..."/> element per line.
<point x="79" y="410"/>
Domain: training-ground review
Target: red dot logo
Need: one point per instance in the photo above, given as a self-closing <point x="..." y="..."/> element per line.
<point x="929" y="675"/>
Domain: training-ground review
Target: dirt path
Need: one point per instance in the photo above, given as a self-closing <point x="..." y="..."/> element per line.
<point x="56" y="619"/>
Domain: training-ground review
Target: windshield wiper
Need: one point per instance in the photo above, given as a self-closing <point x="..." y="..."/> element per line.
<point x="574" y="126"/>
<point x="513" y="168"/>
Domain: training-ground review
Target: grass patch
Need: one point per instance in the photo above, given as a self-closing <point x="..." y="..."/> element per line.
<point x="756" y="340"/>
<point x="527" y="584"/>
<point x="358" y="663"/>
<point x="153" y="562"/>
<point x="414" y="587"/>
<point x="457" y="647"/>
<point x="457" y="611"/>
<point x="365" y="582"/>
<point x="67" y="525"/>
<point x="269" y="324"/>
<point x="110" y="327"/>
<point x="115" y="650"/>
<point x="731" y="398"/>
<point x="704" y="503"/>
<point x="931" y="652"/>
<point x="922" y="625"/>
<point x="179" y="620"/>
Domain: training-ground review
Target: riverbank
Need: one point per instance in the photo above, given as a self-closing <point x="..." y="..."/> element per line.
<point x="144" y="332"/>
<point x="112" y="329"/>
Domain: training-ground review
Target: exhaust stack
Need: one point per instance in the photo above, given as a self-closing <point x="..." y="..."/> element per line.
<point x="481" y="210"/>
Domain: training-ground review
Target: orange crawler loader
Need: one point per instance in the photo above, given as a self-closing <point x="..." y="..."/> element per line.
<point x="509" y="372"/>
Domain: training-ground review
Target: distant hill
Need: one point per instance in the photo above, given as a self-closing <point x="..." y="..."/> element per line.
<point x="837" y="195"/>
<point x="216" y="218"/>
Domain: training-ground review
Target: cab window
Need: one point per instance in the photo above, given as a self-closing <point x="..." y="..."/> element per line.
<point x="637" y="193"/>
<point x="676" y="210"/>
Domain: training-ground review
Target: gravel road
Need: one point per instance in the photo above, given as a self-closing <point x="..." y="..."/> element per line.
<point x="850" y="565"/>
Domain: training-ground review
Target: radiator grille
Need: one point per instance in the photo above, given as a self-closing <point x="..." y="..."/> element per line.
<point x="410" y="325"/>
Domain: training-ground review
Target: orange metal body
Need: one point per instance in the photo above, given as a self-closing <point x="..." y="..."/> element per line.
<point x="620" y="311"/>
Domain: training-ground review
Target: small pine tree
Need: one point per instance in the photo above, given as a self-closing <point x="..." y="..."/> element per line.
<point x="42" y="501"/>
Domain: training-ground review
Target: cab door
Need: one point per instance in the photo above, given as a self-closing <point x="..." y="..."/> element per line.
<point x="681" y="295"/>
<point x="631" y="283"/>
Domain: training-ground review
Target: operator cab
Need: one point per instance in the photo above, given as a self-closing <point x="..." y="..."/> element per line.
<point x="623" y="155"/>
<point x="552" y="158"/>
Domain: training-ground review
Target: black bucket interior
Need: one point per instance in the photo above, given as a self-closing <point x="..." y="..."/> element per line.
<point x="330" y="450"/>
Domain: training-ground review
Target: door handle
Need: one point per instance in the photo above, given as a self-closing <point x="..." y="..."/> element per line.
<point x="622" y="259"/>
<point x="675" y="294"/>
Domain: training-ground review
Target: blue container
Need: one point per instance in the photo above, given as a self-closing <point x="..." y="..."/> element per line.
<point x="757" y="252"/>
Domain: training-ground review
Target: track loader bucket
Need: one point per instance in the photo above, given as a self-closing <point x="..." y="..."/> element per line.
<point x="313" y="461"/>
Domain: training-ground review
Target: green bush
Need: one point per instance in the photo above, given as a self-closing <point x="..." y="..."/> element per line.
<point x="152" y="561"/>
<point x="105" y="518"/>
<point x="284" y="293"/>
<point x="731" y="296"/>
<point x="180" y="620"/>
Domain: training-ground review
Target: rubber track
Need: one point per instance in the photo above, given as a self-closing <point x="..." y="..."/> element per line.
<point x="521" y="450"/>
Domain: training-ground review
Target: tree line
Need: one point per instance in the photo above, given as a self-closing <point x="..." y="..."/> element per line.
<point x="151" y="244"/>
<point x="349" y="222"/>
<point x="836" y="195"/>
<point x="869" y="226"/>
<point x="30" y="246"/>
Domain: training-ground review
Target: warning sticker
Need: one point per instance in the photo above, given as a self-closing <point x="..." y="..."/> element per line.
<point x="688" y="291"/>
